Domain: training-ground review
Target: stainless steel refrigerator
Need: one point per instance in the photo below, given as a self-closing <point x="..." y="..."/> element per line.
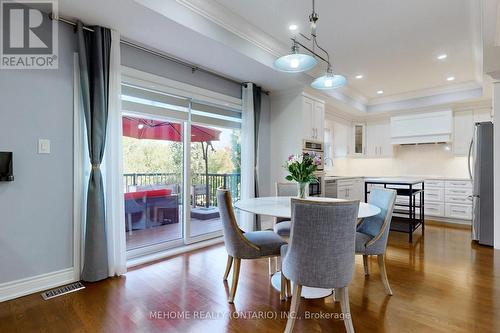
<point x="481" y="173"/>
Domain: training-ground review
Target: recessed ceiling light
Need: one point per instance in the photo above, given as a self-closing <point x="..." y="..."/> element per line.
<point x="359" y="76"/>
<point x="442" y="56"/>
<point x="380" y="92"/>
<point x="450" y="78"/>
<point x="292" y="27"/>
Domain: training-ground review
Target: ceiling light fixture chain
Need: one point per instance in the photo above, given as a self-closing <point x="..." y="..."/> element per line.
<point x="296" y="61"/>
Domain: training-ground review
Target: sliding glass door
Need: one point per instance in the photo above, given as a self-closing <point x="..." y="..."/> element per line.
<point x="153" y="179"/>
<point x="176" y="153"/>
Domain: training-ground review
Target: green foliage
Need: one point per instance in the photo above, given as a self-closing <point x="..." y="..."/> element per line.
<point x="159" y="156"/>
<point x="301" y="168"/>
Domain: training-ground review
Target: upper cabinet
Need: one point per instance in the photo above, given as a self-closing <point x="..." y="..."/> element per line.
<point x="462" y="131"/>
<point x="428" y="127"/>
<point x="314" y="118"/>
<point x="378" y="139"/>
<point x="358" y="139"/>
<point x="463" y="128"/>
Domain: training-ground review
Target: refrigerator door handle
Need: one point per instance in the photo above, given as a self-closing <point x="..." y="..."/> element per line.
<point x="469" y="157"/>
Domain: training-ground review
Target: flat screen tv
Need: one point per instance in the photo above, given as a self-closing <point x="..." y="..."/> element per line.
<point x="6" y="171"/>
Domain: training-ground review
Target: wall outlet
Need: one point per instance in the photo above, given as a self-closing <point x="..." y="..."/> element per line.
<point x="43" y="146"/>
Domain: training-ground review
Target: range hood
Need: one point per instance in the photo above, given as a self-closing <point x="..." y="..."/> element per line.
<point x="429" y="127"/>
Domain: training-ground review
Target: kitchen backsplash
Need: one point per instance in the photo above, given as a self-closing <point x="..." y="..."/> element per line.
<point x="421" y="160"/>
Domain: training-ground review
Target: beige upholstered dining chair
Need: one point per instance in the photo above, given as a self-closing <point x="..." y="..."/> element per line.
<point x="243" y="245"/>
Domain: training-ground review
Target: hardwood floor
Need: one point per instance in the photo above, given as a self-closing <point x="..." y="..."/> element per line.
<point x="440" y="282"/>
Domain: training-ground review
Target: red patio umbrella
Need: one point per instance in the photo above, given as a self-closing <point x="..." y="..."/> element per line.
<point x="141" y="128"/>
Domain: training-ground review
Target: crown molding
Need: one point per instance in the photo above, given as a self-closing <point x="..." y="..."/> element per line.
<point x="235" y="24"/>
<point x="425" y="93"/>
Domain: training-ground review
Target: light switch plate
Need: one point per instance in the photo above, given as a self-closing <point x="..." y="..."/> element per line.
<point x="43" y="146"/>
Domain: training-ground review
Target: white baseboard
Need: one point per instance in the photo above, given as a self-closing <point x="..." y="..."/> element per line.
<point x="26" y="286"/>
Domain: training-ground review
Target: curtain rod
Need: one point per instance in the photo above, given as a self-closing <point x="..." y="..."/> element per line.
<point x="193" y="67"/>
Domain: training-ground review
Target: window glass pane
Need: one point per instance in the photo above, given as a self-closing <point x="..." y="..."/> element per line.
<point x="153" y="155"/>
<point x="215" y="162"/>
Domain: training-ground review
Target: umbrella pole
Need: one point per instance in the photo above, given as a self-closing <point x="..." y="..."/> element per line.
<point x="204" y="148"/>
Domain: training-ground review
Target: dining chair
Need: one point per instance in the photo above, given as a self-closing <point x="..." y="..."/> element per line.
<point x="372" y="233"/>
<point x="243" y="245"/>
<point x="281" y="224"/>
<point x="320" y="252"/>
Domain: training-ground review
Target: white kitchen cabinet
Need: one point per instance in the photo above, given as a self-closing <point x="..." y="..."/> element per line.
<point x="448" y="198"/>
<point x="462" y="132"/>
<point x="434" y="209"/>
<point x="341" y="135"/>
<point x="351" y="189"/>
<point x="358" y="141"/>
<point x="314" y="118"/>
<point x="463" y="212"/>
<point x="296" y="117"/>
<point x="378" y="139"/>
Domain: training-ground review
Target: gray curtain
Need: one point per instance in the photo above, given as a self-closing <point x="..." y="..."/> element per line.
<point x="94" y="54"/>
<point x="257" y="102"/>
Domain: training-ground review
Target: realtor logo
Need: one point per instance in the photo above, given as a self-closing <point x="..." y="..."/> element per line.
<point x="28" y="38"/>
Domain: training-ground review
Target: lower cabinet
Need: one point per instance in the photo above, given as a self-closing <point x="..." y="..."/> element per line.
<point x="448" y="199"/>
<point x="351" y="189"/>
<point x="434" y="209"/>
<point x="459" y="211"/>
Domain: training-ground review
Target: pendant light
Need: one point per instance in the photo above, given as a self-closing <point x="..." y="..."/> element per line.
<point x="295" y="62"/>
<point x="329" y="81"/>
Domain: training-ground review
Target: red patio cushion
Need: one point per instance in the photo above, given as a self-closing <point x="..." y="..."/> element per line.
<point x="150" y="194"/>
<point x="158" y="193"/>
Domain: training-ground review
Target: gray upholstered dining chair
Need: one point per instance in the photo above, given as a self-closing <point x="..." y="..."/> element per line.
<point x="320" y="252"/>
<point x="282" y="225"/>
<point x="372" y="233"/>
<point x="243" y="245"/>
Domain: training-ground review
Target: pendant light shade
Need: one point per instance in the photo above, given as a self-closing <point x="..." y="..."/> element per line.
<point x="329" y="81"/>
<point x="295" y="62"/>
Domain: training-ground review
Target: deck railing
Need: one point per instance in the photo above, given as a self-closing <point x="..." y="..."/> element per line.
<point x="230" y="181"/>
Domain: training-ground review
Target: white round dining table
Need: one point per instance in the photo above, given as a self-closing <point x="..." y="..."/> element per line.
<point x="282" y="207"/>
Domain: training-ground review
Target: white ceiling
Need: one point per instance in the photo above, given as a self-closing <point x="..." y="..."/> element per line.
<point x="144" y="26"/>
<point x="394" y="44"/>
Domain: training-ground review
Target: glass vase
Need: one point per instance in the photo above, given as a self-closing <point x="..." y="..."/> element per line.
<point x="302" y="189"/>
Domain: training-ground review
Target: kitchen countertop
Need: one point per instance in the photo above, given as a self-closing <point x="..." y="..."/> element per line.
<point x="395" y="180"/>
<point x="327" y="177"/>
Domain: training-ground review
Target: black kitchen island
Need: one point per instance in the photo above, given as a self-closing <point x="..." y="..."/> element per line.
<point x="410" y="200"/>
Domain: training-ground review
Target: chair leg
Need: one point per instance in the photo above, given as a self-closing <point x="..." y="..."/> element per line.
<point x="271" y="269"/>
<point x="365" y="264"/>
<point x="236" y="275"/>
<point x="228" y="267"/>
<point x="283" y="288"/>
<point x="278" y="263"/>
<point x="343" y="295"/>
<point x="383" y="274"/>
<point x="294" y="307"/>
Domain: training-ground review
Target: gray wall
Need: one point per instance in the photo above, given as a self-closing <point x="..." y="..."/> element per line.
<point x="147" y="62"/>
<point x="36" y="220"/>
